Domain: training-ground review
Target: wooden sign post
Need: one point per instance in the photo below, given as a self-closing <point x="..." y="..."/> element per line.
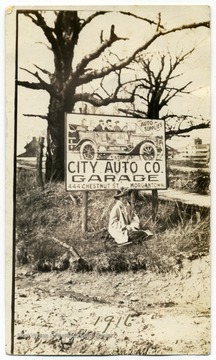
<point x="154" y="204"/>
<point x="84" y="211"/>
<point x="39" y="175"/>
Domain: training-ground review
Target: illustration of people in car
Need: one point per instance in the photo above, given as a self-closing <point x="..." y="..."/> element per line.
<point x="106" y="140"/>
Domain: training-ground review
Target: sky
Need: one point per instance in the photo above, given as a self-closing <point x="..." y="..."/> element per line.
<point x="32" y="49"/>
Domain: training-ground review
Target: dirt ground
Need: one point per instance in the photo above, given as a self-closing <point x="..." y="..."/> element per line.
<point x="129" y="313"/>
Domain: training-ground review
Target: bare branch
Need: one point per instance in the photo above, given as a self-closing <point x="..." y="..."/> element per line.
<point x="90" y="98"/>
<point x="41" y="43"/>
<point x="93" y="16"/>
<point x="119" y="87"/>
<point x="180" y="89"/>
<point x="42" y="85"/>
<point x="178" y="60"/>
<point x="29" y="85"/>
<point x="112" y="53"/>
<point x="135" y="80"/>
<point x="169" y="134"/>
<point x="90" y="18"/>
<point x="36" y="115"/>
<point x="159" y="22"/>
<point x="83" y="79"/>
<point x="38" y="20"/>
<point x="141" y="113"/>
<point x="102" y="87"/>
<point x="151" y="22"/>
<point x="169" y="131"/>
<point x="171" y="116"/>
<point x="98" y="95"/>
<point x="170" y="96"/>
<point x="188" y="27"/>
<point x="95" y="54"/>
<point x="142" y="98"/>
<point x="43" y="70"/>
<point x="134" y="113"/>
<point x="158" y="77"/>
<point x="28" y="71"/>
<point x="175" y="76"/>
<point x="39" y="86"/>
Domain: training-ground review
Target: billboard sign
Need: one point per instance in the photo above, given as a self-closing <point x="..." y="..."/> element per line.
<point x="108" y="152"/>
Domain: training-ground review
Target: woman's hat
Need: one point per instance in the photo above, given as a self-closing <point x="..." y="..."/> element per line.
<point x="122" y="192"/>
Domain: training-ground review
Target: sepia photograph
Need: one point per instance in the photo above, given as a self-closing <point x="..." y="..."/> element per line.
<point x="108" y="191"/>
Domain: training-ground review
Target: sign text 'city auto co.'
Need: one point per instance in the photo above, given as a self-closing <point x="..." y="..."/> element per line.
<point x="108" y="152"/>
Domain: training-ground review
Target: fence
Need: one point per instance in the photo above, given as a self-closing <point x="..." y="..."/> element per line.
<point x="197" y="155"/>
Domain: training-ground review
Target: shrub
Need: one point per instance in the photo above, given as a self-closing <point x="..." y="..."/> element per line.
<point x="192" y="181"/>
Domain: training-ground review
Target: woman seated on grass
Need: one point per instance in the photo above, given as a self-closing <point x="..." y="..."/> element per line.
<point x="124" y="224"/>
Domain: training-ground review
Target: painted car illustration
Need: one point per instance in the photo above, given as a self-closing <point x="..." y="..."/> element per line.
<point x="92" y="145"/>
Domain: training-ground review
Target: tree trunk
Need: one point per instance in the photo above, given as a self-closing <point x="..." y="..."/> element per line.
<point x="153" y="113"/>
<point x="153" y="109"/>
<point x="56" y="134"/>
<point x="55" y="144"/>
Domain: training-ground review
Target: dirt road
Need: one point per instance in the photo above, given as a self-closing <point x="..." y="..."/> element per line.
<point x="129" y="313"/>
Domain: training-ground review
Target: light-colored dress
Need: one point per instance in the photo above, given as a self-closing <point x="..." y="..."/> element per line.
<point x="121" y="216"/>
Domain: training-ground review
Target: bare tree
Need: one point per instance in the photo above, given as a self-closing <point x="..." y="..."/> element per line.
<point x="157" y="88"/>
<point x="67" y="79"/>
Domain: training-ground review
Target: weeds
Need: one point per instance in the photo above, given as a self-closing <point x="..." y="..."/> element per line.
<point x="42" y="214"/>
<point x="197" y="181"/>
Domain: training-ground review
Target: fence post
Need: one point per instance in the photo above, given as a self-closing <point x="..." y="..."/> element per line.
<point x="84" y="211"/>
<point x="39" y="175"/>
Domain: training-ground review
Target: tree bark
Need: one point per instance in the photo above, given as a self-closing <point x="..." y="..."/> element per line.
<point x="56" y="138"/>
<point x="55" y="143"/>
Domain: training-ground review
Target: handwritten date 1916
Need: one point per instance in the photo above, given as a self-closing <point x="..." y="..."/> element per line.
<point x="111" y="319"/>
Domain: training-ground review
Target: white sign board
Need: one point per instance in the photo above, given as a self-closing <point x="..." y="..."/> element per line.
<point x="108" y="152"/>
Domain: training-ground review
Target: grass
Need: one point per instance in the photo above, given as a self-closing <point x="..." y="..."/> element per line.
<point x="40" y="215"/>
<point x="197" y="181"/>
